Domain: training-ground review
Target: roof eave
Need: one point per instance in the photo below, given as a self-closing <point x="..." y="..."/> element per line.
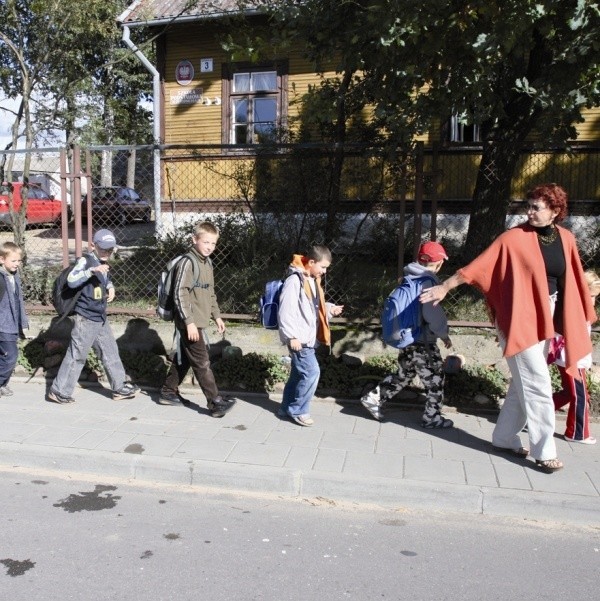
<point x="180" y="19"/>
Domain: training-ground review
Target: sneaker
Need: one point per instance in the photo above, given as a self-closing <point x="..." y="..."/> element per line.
<point x="588" y="440"/>
<point x="438" y="422"/>
<point x="372" y="403"/>
<point x="220" y="406"/>
<point x="303" y="420"/>
<point x="127" y="391"/>
<point x="59" y="398"/>
<point x="6" y="391"/>
<point x="170" y="398"/>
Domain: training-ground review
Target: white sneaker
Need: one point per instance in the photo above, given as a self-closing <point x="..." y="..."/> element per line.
<point x="372" y="403"/>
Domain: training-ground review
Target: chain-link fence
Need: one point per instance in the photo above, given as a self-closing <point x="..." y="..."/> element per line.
<point x="370" y="206"/>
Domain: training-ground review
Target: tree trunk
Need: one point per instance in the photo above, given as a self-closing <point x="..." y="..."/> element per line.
<point x="491" y="197"/>
<point x="335" y="178"/>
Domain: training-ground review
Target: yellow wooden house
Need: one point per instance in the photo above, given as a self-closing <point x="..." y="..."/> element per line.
<point x="202" y="98"/>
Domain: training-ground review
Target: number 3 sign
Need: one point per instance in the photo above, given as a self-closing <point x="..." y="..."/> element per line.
<point x="206" y="65"/>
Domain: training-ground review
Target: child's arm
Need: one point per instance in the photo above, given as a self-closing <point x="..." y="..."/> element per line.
<point x="289" y="312"/>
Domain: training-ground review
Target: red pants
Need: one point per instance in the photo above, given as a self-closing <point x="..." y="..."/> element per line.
<point x="575" y="393"/>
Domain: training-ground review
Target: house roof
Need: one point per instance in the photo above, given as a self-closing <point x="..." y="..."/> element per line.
<point x="162" y="12"/>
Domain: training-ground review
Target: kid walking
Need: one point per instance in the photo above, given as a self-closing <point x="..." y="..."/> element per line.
<point x="574" y="392"/>
<point x="304" y="325"/>
<point x="423" y="358"/>
<point x="91" y="328"/>
<point x="12" y="312"/>
<point x="195" y="304"/>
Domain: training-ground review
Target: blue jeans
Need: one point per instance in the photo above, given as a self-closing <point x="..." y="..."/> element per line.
<point x="89" y="334"/>
<point x="8" y="359"/>
<point x="302" y="383"/>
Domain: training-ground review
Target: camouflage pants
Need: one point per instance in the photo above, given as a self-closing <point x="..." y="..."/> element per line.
<point x="426" y="362"/>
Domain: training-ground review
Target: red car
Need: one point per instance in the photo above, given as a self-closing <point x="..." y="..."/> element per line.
<point x="41" y="206"/>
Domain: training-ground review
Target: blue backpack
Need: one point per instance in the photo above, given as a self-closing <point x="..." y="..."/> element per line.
<point x="269" y="304"/>
<point x="402" y="317"/>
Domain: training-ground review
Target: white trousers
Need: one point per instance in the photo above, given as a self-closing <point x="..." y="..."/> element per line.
<point x="528" y="402"/>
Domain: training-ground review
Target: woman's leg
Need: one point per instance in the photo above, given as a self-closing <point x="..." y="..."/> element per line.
<point x="528" y="401"/>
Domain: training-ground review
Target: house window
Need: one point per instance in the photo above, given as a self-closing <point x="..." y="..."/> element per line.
<point x="461" y="131"/>
<point x="255" y="106"/>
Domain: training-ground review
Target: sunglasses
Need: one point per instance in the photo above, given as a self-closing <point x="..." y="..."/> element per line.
<point x="536" y="208"/>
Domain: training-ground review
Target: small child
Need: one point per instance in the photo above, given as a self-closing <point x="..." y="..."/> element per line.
<point x="12" y="312"/>
<point x="423" y="358"/>
<point x="91" y="328"/>
<point x="303" y="326"/>
<point x="195" y="303"/>
<point x="574" y="392"/>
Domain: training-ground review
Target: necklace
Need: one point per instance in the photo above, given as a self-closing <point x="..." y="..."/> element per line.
<point x="548" y="238"/>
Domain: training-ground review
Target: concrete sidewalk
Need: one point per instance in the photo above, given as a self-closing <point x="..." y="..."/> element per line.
<point x="345" y="456"/>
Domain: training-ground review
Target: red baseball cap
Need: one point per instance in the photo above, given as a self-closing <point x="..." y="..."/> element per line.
<point x="432" y="252"/>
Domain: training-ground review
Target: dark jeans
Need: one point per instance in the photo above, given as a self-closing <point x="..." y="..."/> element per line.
<point x="8" y="359"/>
<point x="194" y="355"/>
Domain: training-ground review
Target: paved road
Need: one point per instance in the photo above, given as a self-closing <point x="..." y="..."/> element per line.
<point x="91" y="541"/>
<point x="345" y="456"/>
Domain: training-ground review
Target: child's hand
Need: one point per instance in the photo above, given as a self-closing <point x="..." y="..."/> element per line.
<point x="295" y="344"/>
<point x="337" y="310"/>
<point x="192" y="333"/>
<point x="103" y="268"/>
<point x="447" y="342"/>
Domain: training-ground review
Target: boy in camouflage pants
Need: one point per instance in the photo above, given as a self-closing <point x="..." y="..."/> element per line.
<point x="423" y="358"/>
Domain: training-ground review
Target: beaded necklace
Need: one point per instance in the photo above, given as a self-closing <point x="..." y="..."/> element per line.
<point x="548" y="238"/>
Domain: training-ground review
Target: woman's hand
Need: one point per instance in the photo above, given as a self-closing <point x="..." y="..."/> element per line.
<point x="434" y="295"/>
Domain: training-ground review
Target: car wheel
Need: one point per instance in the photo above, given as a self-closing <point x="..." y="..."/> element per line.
<point x="122" y="218"/>
<point x="147" y="217"/>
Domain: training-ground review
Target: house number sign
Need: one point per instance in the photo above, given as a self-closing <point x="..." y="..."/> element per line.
<point x="206" y="65"/>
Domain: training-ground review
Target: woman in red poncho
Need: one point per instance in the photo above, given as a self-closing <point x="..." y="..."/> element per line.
<point x="532" y="280"/>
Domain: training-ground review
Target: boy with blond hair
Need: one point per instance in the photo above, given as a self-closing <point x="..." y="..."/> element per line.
<point x="12" y="312"/>
<point x="423" y="358"/>
<point x="195" y="303"/>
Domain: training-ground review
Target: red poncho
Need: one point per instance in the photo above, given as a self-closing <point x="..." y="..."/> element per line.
<point x="512" y="276"/>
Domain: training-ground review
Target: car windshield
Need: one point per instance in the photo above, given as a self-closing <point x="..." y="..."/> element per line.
<point x="104" y="192"/>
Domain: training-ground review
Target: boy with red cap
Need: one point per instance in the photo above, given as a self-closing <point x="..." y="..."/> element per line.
<point x="423" y="358"/>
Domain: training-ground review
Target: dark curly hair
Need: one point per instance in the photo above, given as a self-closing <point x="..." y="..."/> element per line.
<point x="554" y="196"/>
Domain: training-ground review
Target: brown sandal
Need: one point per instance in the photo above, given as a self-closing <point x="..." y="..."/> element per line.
<point x="549" y="465"/>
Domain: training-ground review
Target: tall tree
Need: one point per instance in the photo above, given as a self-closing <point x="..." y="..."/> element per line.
<point x="64" y="60"/>
<point x="513" y="66"/>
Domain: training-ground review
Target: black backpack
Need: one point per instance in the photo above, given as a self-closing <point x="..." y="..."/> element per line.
<point x="63" y="297"/>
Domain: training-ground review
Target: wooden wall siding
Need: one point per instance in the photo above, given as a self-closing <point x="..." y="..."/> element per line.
<point x="589" y="130"/>
<point x="206" y="179"/>
<point x="579" y="174"/>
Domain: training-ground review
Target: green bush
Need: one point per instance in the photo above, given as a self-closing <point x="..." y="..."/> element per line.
<point x="252" y="372"/>
<point x="471" y="380"/>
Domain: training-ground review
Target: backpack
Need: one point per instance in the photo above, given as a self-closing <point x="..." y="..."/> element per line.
<point x="269" y="304"/>
<point x="165" y="309"/>
<point x="65" y="298"/>
<point x="401" y="318"/>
